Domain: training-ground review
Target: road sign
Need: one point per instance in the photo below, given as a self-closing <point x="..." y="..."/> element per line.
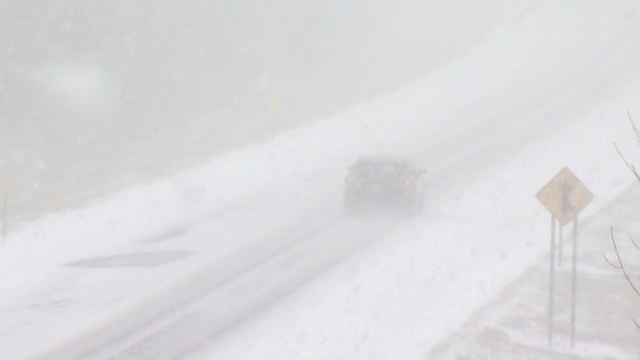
<point x="564" y="196"/>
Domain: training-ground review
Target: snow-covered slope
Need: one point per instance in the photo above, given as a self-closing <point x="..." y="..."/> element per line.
<point x="249" y="256"/>
<point x="100" y="95"/>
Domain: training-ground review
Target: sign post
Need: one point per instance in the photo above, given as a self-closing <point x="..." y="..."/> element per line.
<point x="552" y="261"/>
<point x="574" y="261"/>
<point x="560" y="235"/>
<point x="564" y="196"/>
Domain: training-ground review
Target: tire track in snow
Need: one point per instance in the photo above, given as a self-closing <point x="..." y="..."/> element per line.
<point x="220" y="296"/>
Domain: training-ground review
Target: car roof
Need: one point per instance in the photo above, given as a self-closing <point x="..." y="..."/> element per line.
<point x="384" y="159"/>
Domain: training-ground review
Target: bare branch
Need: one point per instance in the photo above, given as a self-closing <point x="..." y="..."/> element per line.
<point x="633" y="125"/>
<point x="624" y="271"/>
<point x="610" y="263"/>
<point x="633" y="242"/>
<point x="633" y="170"/>
<point x="630" y="166"/>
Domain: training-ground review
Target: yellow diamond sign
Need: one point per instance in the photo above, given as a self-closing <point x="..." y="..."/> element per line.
<point x="564" y="196"/>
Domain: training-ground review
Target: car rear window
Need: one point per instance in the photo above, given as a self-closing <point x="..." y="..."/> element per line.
<point x="371" y="167"/>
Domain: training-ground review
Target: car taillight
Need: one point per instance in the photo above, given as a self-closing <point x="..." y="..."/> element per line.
<point x="350" y="179"/>
<point x="405" y="181"/>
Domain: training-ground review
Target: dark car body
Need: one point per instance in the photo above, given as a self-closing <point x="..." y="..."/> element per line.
<point x="387" y="182"/>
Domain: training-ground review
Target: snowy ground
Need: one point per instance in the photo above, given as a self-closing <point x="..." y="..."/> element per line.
<point x="249" y="255"/>
<point x="514" y="325"/>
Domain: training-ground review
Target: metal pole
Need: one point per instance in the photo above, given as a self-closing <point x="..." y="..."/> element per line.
<point x="573" y="281"/>
<point x="551" y="277"/>
<point x="560" y="227"/>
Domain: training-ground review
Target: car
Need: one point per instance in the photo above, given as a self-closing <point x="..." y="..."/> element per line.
<point x="384" y="182"/>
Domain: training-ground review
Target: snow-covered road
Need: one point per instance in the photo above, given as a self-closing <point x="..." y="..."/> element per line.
<point x="250" y="256"/>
